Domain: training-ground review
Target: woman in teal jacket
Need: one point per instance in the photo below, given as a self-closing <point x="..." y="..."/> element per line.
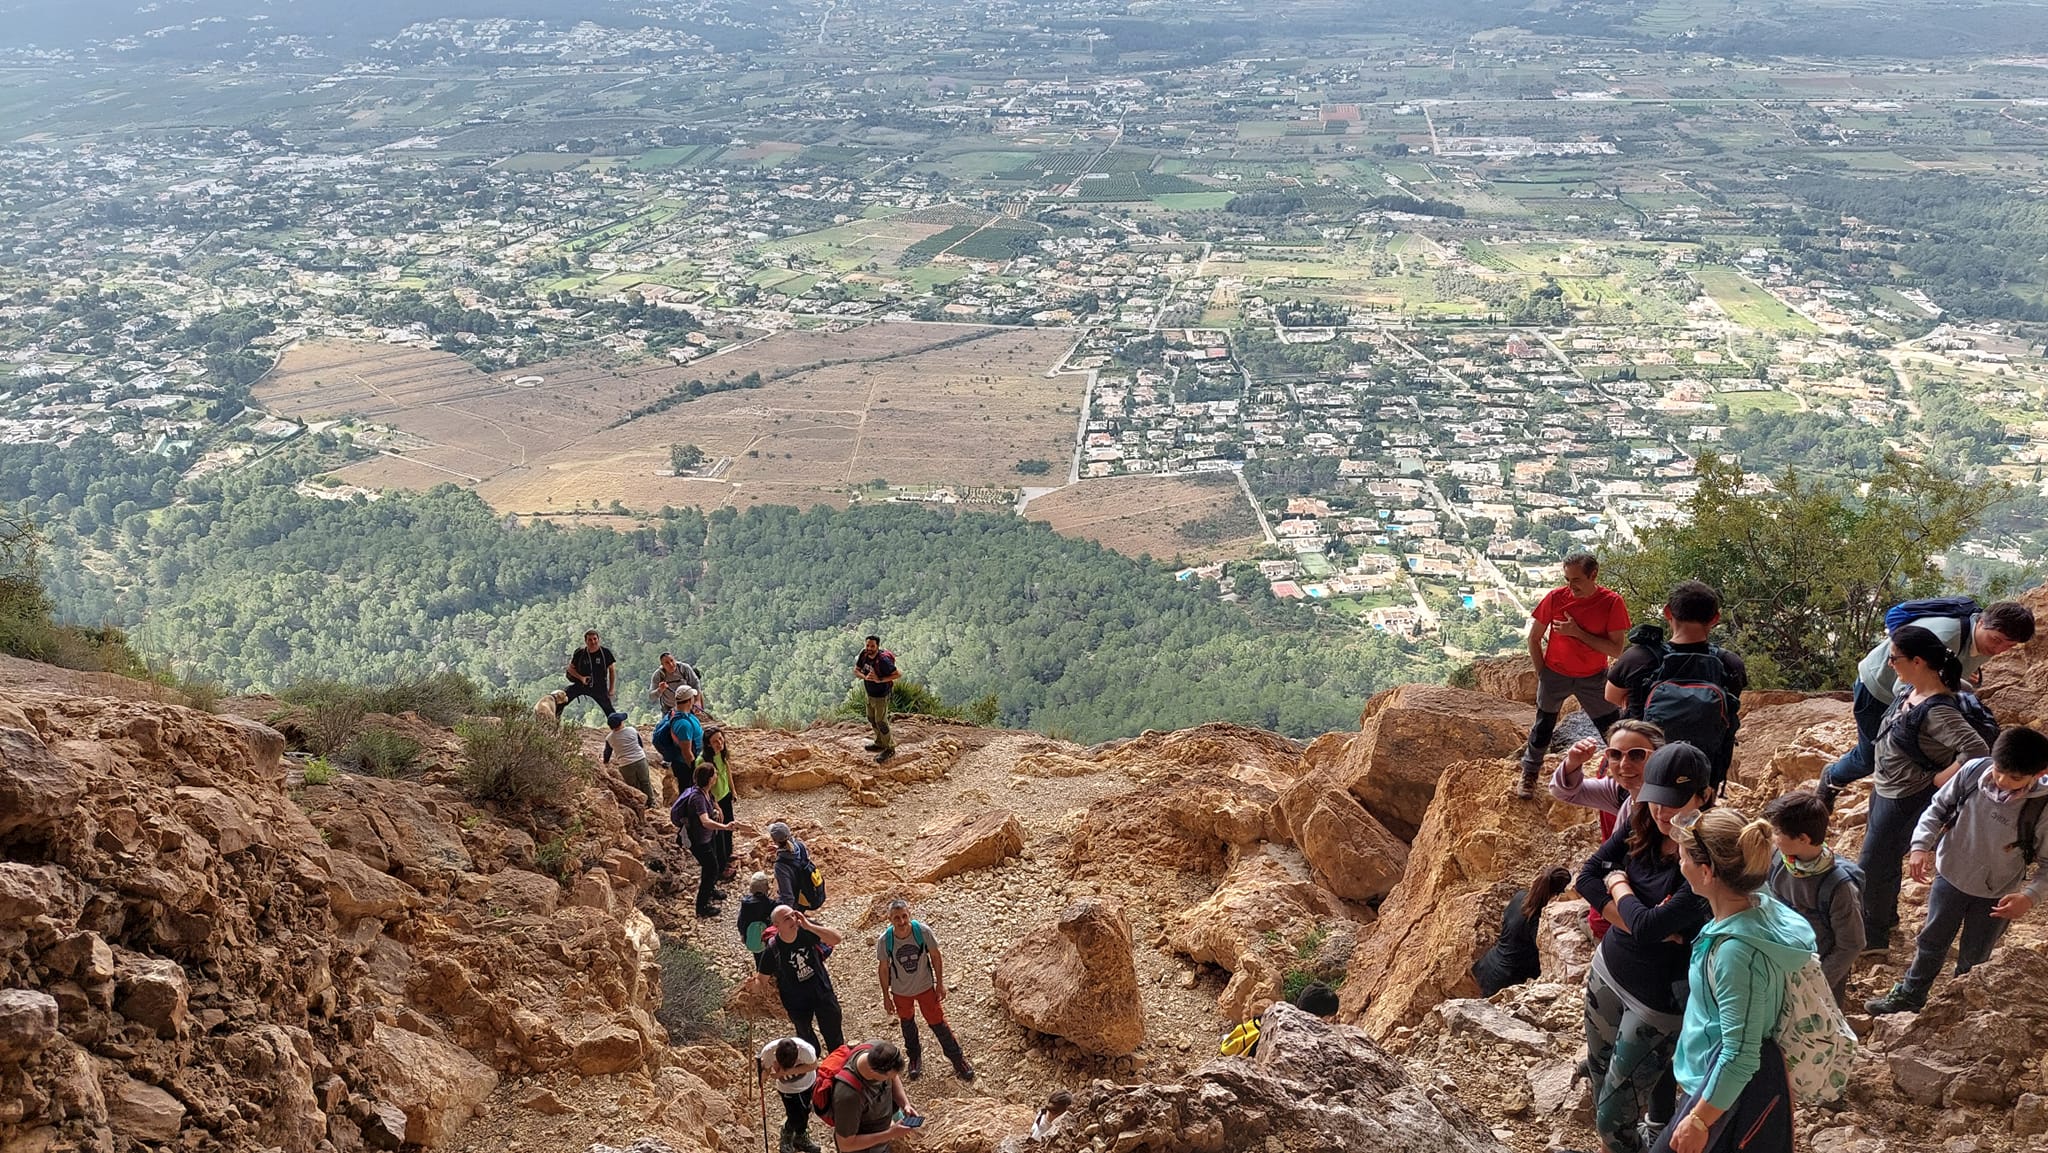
<point x="1728" y="1063"/>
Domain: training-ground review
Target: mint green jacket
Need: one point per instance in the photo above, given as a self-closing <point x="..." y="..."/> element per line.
<point x="1739" y="966"/>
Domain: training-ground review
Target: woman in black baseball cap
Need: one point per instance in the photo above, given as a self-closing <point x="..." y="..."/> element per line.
<point x="1635" y="993"/>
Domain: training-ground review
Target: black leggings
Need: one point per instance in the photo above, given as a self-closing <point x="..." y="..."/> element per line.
<point x="707" y="873"/>
<point x="723" y="840"/>
<point x="1759" y="1122"/>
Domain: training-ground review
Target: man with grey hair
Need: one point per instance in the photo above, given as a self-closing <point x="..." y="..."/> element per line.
<point x="913" y="975"/>
<point x="1574" y="631"/>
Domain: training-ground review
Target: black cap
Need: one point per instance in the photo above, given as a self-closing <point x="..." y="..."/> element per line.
<point x="1676" y="774"/>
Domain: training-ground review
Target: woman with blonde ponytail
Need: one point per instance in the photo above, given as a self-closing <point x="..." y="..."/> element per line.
<point x="1728" y="1062"/>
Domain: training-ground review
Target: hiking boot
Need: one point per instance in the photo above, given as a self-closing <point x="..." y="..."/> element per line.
<point x="804" y="1144"/>
<point x="963" y="1070"/>
<point x="706" y="914"/>
<point x="916" y="1068"/>
<point x="873" y="747"/>
<point x="788" y="1144"/>
<point x="883" y="756"/>
<point x="1827" y="794"/>
<point x="1899" y="1000"/>
<point x="721" y="894"/>
<point x="1525" y="789"/>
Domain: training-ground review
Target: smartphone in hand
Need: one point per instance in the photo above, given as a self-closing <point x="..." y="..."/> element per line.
<point x="911" y="1122"/>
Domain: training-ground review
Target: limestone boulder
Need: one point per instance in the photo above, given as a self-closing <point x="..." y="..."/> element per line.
<point x="1511" y="678"/>
<point x="521" y="891"/>
<point x="28" y="1024"/>
<point x="1266" y="910"/>
<point x="1075" y="978"/>
<point x="1191" y="819"/>
<point x="356" y="890"/>
<point x="1971" y="1044"/>
<point x="2016" y="682"/>
<point x="38" y="791"/>
<point x="974" y="1125"/>
<point x="1409" y="735"/>
<point x="975" y="841"/>
<point x="152" y="991"/>
<point x="1475" y="847"/>
<point x="140" y="1111"/>
<point x="1564" y="942"/>
<point x="1785" y="745"/>
<point x="614" y="1048"/>
<point x="436" y="1085"/>
<point x="36" y="899"/>
<point x="1353" y="855"/>
<point x="1314" y="1084"/>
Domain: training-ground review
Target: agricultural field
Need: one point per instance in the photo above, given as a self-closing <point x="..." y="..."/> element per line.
<point x="1750" y="306"/>
<point x="1193" y="518"/>
<point x="912" y="404"/>
<point x="438" y="417"/>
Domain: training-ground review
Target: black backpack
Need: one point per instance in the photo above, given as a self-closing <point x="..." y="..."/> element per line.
<point x="2030" y="812"/>
<point x="808" y="883"/>
<point x="1687" y="697"/>
<point x="1905" y="731"/>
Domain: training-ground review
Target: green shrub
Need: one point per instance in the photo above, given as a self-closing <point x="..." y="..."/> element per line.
<point x="443" y="698"/>
<point x="319" y="771"/>
<point x="1465" y="676"/>
<point x="331" y="726"/>
<point x="692" y="992"/>
<point x="516" y="759"/>
<point x="382" y="752"/>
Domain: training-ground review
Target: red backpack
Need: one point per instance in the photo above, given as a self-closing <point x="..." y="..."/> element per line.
<point x="836" y="1069"/>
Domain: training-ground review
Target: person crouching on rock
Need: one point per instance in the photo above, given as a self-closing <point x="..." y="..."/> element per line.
<point x="696" y="816"/>
<point x="1514" y="957"/>
<point x="796" y="955"/>
<point x="913" y="975"/>
<point x="1635" y="993"/>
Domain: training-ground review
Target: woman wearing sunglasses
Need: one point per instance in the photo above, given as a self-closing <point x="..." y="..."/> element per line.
<point x="1731" y="1069"/>
<point x="1910" y="767"/>
<point x="1635" y="993"/>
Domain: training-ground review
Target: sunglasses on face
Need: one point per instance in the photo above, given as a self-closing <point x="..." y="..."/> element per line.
<point x="1632" y="756"/>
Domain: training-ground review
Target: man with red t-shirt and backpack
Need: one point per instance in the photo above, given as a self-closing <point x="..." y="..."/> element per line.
<point x="1574" y="632"/>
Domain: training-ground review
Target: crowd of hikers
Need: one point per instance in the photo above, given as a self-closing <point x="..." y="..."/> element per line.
<point x="1725" y="943"/>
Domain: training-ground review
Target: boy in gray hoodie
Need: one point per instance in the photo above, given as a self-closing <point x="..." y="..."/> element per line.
<point x="1977" y="841"/>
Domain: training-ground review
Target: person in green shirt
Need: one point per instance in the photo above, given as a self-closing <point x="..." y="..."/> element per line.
<point x="721" y="792"/>
<point x="1728" y="1062"/>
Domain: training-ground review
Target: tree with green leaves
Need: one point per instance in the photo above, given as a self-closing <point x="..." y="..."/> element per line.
<point x="1805" y="567"/>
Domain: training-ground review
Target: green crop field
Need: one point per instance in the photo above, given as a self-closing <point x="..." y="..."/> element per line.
<point x="1750" y="306"/>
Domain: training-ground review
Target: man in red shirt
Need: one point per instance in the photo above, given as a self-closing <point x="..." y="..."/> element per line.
<point x="1573" y="633"/>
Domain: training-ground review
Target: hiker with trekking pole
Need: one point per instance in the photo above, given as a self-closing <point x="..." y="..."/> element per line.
<point x="793" y="1065"/>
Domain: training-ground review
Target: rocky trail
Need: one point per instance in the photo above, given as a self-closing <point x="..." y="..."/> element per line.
<point x="199" y="949"/>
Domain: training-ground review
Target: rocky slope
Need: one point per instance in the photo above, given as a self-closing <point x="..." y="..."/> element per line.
<point x="198" y="949"/>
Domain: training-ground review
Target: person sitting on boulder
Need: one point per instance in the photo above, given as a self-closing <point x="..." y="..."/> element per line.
<point x="792" y="1063"/>
<point x="1635" y="993"/>
<point x="913" y="974"/>
<point x="1513" y="958"/>
<point x="624" y="740"/>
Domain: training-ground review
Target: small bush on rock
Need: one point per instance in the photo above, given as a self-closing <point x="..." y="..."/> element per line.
<point x="382" y="752"/>
<point x="515" y="759"/>
<point x="692" y="992"/>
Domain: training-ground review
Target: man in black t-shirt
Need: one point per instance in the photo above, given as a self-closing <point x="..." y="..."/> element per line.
<point x="876" y="668"/>
<point x="797" y="958"/>
<point x="592" y="671"/>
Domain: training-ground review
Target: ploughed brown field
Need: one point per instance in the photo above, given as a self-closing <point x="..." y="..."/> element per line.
<point x="1163" y="516"/>
<point x="928" y="404"/>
